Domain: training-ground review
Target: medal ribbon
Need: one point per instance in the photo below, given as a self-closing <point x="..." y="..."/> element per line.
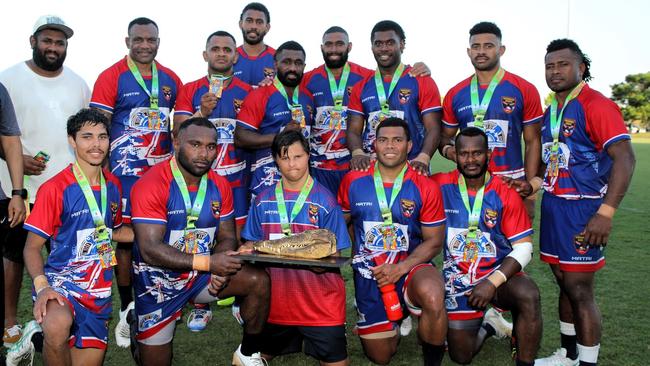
<point x="556" y="122"/>
<point x="153" y="95"/>
<point x="384" y="206"/>
<point x="297" y="206"/>
<point x="294" y="98"/>
<point x="381" y="93"/>
<point x="479" y="108"/>
<point x="192" y="210"/>
<point x="97" y="214"/>
<point x="475" y="211"/>
<point x="338" y="90"/>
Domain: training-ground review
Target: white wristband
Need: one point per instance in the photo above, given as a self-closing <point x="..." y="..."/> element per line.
<point x="522" y="253"/>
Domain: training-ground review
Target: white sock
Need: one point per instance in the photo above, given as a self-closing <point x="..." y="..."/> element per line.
<point x="588" y="353"/>
<point x="567" y="328"/>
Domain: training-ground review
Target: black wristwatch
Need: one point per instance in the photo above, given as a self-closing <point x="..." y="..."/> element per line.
<point x="19" y="192"/>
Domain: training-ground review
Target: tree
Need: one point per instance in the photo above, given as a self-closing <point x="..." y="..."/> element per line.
<point x="633" y="96"/>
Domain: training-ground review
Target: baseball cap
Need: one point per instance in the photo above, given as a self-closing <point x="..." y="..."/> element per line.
<point x="52" y="22"/>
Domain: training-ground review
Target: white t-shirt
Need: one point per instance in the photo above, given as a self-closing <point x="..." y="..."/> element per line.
<point x="43" y="106"/>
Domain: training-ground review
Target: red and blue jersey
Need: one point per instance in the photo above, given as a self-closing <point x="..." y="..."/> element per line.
<point x="418" y="204"/>
<point x="514" y="105"/>
<point x="157" y="199"/>
<point x="503" y="220"/>
<point x="62" y="215"/>
<point x="135" y="144"/>
<point x="300" y="296"/>
<point x="329" y="148"/>
<point x="591" y="124"/>
<point x="230" y="161"/>
<point x="253" y="69"/>
<point x="412" y="98"/>
<point x="265" y="111"/>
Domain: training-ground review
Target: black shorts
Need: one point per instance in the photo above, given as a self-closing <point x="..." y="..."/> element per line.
<point x="12" y="239"/>
<point x="327" y="344"/>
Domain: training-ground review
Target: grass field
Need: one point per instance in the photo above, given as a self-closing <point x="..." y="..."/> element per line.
<point x="622" y="291"/>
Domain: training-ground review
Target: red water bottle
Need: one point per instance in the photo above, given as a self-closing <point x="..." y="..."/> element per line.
<point x="389" y="296"/>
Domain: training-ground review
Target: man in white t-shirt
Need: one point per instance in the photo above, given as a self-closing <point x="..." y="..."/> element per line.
<point x="45" y="93"/>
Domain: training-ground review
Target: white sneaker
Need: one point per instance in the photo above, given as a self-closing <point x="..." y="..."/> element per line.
<point x="406" y="326"/>
<point x="12" y="335"/>
<point x="198" y="319"/>
<point x="22" y="352"/>
<point x="558" y="358"/>
<point x="502" y="327"/>
<point x="238" y="359"/>
<point x="122" y="330"/>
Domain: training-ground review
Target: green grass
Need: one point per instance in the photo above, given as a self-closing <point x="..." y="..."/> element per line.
<point x="622" y="292"/>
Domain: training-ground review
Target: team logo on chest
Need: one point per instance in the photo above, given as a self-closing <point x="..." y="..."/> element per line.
<point x="490" y="218"/>
<point x="215" y="207"/>
<point x="167" y="92"/>
<point x="404" y="95"/>
<point x="509" y="104"/>
<point x="568" y="126"/>
<point x="408" y="207"/>
<point x="237" y="104"/>
<point x="114" y="210"/>
<point x="313" y="213"/>
<point x="349" y="89"/>
<point x="269" y="72"/>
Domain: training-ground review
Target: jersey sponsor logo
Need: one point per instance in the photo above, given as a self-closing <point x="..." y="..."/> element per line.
<point x="147" y="321"/>
<point x="130" y="94"/>
<point x="237" y="103"/>
<point x="176" y="212"/>
<point x="281" y="113"/>
<point x="568" y="126"/>
<point x="379" y="236"/>
<point x="508" y="104"/>
<point x="408" y="206"/>
<point x="490" y="218"/>
<point x="79" y="213"/>
<point x="167" y="92"/>
<point x="317" y="94"/>
<point x="464" y="108"/>
<point x="368" y="98"/>
<point x="363" y="204"/>
<point x="215" y="206"/>
<point x="404" y="95"/>
<point x="452" y="211"/>
<point x="313" y="213"/>
<point x="269" y="72"/>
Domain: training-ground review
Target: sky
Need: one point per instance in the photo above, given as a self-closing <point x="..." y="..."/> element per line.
<point x="613" y="34"/>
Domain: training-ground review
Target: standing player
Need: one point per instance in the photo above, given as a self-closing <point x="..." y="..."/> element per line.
<point x="273" y="108"/>
<point x="393" y="92"/>
<point x="395" y="242"/>
<point x="502" y="104"/>
<point x="488" y="245"/>
<point x="306" y="304"/>
<point x="589" y="164"/>
<point x="255" y="63"/>
<point x="44" y="93"/>
<point x="218" y="97"/>
<point x="183" y="220"/>
<point x="78" y="210"/>
<point x="137" y="94"/>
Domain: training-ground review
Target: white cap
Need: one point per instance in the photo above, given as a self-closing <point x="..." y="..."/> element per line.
<point x="52" y="22"/>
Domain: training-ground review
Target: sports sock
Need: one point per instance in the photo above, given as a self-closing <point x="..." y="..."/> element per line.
<point x="569" y="340"/>
<point x="126" y="296"/>
<point x="486" y="331"/>
<point x="588" y="355"/>
<point x="250" y="344"/>
<point x="433" y="354"/>
<point x="518" y="362"/>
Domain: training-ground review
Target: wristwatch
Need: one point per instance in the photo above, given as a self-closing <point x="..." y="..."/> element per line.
<point x="19" y="192"/>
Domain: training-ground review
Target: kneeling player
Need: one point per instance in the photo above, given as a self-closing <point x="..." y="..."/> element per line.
<point x="405" y="233"/>
<point x="181" y="209"/>
<point x="488" y="245"/>
<point x="77" y="210"/>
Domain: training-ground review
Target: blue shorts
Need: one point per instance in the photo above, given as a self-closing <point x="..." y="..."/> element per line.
<point x="561" y="221"/>
<point x="370" y="306"/>
<point x="331" y="179"/>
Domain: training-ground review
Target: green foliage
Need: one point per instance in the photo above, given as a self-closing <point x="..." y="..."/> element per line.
<point x="633" y="96"/>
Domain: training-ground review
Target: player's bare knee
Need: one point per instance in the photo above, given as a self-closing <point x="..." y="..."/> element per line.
<point x="461" y="358"/>
<point x="56" y="326"/>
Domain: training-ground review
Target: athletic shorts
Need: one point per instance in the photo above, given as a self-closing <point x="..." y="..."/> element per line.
<point x="561" y="221"/>
<point x="370" y="306"/>
<point x="326" y="344"/>
<point x="13" y="238"/>
<point x="331" y="179"/>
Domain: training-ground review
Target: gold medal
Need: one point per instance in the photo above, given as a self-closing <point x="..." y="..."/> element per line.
<point x="154" y="119"/>
<point x="297" y="115"/>
<point x="216" y="87"/>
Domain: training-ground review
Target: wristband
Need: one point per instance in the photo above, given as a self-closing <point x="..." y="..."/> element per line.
<point x="497" y="278"/>
<point x="606" y="210"/>
<point x="40" y="283"/>
<point x="357" y="152"/>
<point x="536" y="184"/>
<point x="444" y="150"/>
<point x="201" y="262"/>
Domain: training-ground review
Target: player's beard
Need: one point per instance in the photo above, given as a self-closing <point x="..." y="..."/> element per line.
<point x="335" y="64"/>
<point x="41" y="60"/>
<point x="493" y="65"/>
<point x="260" y="38"/>
<point x="484" y="169"/>
<point x="290" y="83"/>
<point x="185" y="162"/>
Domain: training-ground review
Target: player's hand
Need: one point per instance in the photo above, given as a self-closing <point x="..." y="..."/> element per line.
<point x="265" y="82"/>
<point x="43" y="297"/>
<point x="421" y="164"/>
<point x="247" y="247"/>
<point x="16" y="211"/>
<point x="420" y="69"/>
<point x="32" y="166"/>
<point x="208" y="103"/>
<point x="217" y="283"/>
<point x="522" y="187"/>
<point x="597" y="231"/>
<point x="293" y="125"/>
<point x="225" y="263"/>
<point x="481" y="295"/>
<point x="386" y="273"/>
<point x="450" y="154"/>
<point x="360" y="163"/>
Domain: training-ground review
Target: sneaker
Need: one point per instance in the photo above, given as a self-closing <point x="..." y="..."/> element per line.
<point x="198" y="319"/>
<point x="12" y="335"/>
<point x="237" y="314"/>
<point x="502" y="327"/>
<point x="406" y="327"/>
<point x="253" y="360"/>
<point x="227" y="301"/>
<point x="22" y="352"/>
<point x="122" y="329"/>
<point x="558" y="358"/>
